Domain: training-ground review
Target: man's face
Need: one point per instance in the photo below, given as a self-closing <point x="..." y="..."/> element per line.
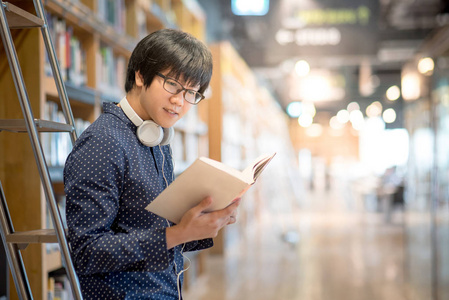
<point x="156" y="104"/>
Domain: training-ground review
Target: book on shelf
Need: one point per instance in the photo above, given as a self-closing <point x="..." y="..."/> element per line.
<point x="69" y="51"/>
<point x="59" y="287"/>
<point x="112" y="71"/>
<point x="206" y="177"/>
<point x="113" y="12"/>
<point x="57" y="145"/>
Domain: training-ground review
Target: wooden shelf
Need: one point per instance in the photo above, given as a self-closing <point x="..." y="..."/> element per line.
<point x="81" y="94"/>
<point x="110" y="98"/>
<point x="77" y="13"/>
<point x="18" y="125"/>
<point x="155" y="17"/>
<point x="19" y="18"/>
<point x="34" y="236"/>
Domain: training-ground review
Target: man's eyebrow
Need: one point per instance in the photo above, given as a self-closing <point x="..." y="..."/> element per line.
<point x="190" y="84"/>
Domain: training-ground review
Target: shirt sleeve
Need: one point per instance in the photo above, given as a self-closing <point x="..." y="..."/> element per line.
<point x="198" y="245"/>
<point x="93" y="178"/>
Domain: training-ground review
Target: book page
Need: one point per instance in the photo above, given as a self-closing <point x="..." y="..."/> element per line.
<point x="253" y="170"/>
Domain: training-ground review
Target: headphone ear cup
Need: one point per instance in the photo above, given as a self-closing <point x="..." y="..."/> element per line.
<point x="168" y="136"/>
<point x="150" y="134"/>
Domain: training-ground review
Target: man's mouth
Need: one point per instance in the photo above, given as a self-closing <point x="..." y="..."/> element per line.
<point x="171" y="111"/>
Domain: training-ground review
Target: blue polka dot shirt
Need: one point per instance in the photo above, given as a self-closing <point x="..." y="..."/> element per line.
<point x="119" y="249"/>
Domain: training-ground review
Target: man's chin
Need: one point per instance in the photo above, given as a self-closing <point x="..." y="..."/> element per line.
<point x="167" y="124"/>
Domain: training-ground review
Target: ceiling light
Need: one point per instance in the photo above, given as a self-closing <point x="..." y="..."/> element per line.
<point x="302" y="68"/>
<point x="356" y="117"/>
<point x="294" y="109"/>
<point x="410" y="86"/>
<point x="353" y="106"/>
<point x="426" y="66"/>
<point x="305" y="120"/>
<point x="343" y="116"/>
<point x="393" y="93"/>
<point x="250" y="7"/>
<point x="374" y="109"/>
<point x="389" y="115"/>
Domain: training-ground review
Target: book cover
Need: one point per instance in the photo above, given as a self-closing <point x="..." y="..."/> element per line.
<point x="206" y="177"/>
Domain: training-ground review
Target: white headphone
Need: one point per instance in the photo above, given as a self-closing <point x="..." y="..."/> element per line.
<point x="148" y="132"/>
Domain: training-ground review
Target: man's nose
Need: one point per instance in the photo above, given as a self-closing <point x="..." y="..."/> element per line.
<point x="178" y="98"/>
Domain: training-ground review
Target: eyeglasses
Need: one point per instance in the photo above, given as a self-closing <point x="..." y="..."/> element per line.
<point x="174" y="87"/>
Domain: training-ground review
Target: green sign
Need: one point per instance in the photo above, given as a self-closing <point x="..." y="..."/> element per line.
<point x="323" y="27"/>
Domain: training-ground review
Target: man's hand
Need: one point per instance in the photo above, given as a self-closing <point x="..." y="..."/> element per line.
<point x="197" y="224"/>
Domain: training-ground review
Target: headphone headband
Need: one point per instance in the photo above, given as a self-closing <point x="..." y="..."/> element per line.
<point x="130" y="113"/>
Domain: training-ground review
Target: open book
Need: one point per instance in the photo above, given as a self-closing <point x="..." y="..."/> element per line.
<point x="206" y="177"/>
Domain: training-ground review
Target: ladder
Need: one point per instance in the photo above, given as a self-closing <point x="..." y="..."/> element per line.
<point x="13" y="17"/>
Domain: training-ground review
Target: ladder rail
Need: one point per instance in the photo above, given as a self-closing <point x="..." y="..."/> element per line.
<point x="13" y="254"/>
<point x="14" y="257"/>
<point x="37" y="148"/>
<point x="67" y="111"/>
<point x="63" y="98"/>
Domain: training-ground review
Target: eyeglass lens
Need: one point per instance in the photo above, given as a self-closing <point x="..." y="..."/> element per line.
<point x="175" y="87"/>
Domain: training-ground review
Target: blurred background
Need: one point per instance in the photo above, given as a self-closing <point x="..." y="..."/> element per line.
<point x="356" y="203"/>
<point x="352" y="95"/>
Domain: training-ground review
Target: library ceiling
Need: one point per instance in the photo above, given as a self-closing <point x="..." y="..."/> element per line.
<point x="343" y="39"/>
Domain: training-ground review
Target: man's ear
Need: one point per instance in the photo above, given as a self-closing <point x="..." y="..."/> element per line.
<point x="139" y="79"/>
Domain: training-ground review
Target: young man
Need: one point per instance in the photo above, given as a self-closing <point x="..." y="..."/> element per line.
<point x="118" y="166"/>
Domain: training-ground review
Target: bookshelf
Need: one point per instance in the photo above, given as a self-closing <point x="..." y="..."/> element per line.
<point x="93" y="40"/>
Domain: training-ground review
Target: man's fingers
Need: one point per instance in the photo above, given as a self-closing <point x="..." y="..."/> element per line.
<point x="232" y="220"/>
<point x="228" y="210"/>
<point x="204" y="204"/>
<point x="220" y="214"/>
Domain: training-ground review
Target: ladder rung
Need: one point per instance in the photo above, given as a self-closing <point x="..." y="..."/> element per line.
<point x="34" y="236"/>
<point x="19" y="18"/>
<point x="18" y="125"/>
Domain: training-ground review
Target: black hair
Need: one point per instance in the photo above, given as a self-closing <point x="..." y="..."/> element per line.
<point x="173" y="50"/>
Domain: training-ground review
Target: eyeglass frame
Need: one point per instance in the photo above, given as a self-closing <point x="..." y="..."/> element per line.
<point x="183" y="89"/>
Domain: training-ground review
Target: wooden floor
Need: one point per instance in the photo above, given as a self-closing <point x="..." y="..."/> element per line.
<point x="323" y="250"/>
